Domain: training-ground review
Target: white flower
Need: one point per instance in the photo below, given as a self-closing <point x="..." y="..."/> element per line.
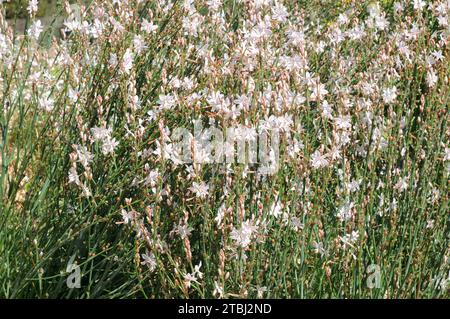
<point x="348" y="240"/>
<point x="197" y="271"/>
<point x="139" y="44"/>
<point x="72" y="25"/>
<point x="127" y="63"/>
<point x="113" y="61"/>
<point x="149" y="259"/>
<point x="100" y="133"/>
<point x="353" y="186"/>
<point x="444" y="283"/>
<point x="73" y="176"/>
<point x="220" y="214"/>
<point x="214" y="5"/>
<point x="47" y="104"/>
<point x="148" y="27"/>
<point x="296" y="38"/>
<point x="183" y="230"/>
<point x="96" y="29"/>
<point x="390" y="95"/>
<point x="218" y="290"/>
<point x="73" y="95"/>
<point x="201" y="154"/>
<point x="152" y="178"/>
<point x="85" y="190"/>
<point x="167" y="102"/>
<point x="279" y="12"/>
<point x="191" y="24"/>
<point x="243" y="235"/>
<point x="419" y="4"/>
<point x="200" y="189"/>
<point x="189" y="279"/>
<point x="260" y="31"/>
<point x="276" y="209"/>
<point x="447" y="154"/>
<point x="327" y="111"/>
<point x="127" y="216"/>
<point x="84" y="156"/>
<point x="318" y="160"/>
<point x="335" y="153"/>
<point x="345" y="212"/>
<point x="295" y="147"/>
<point x="260" y="291"/>
<point x="343" y="122"/>
<point x="318" y="92"/>
<point x="109" y="145"/>
<point x="218" y="102"/>
<point x="381" y="23"/>
<point x="35" y="30"/>
<point x="398" y="7"/>
<point x="402" y="184"/>
<point x="33" y="7"/>
<point x="438" y="56"/>
<point x="319" y="249"/>
<point x="296" y="223"/>
<point x="432" y="78"/>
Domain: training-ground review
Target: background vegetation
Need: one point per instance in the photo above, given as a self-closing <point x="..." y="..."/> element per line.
<point x="45" y="221"/>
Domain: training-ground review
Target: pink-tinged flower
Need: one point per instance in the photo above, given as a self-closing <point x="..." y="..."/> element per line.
<point x="46" y="104"/>
<point x="35" y="30"/>
<point x="402" y="184"/>
<point x="149" y="259"/>
<point x="148" y="27"/>
<point x="318" y="160"/>
<point x="127" y="63"/>
<point x="33" y="7"/>
<point x="390" y="95"/>
<point x="84" y="156"/>
<point x="200" y="189"/>
<point x="167" y="102"/>
<point x="189" y="279"/>
<point x="345" y="212"/>
<point x="109" y="145"/>
<point x="244" y="234"/>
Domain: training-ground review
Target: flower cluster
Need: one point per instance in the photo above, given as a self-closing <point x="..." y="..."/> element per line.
<point x="358" y="97"/>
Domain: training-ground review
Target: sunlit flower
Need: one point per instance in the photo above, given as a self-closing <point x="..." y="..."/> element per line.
<point x="200" y="189"/>
<point x="148" y="27"/>
<point x="35" y="29"/>
<point x="318" y="160"/>
<point x="390" y="95"/>
<point x="244" y="234"/>
<point x="33" y="6"/>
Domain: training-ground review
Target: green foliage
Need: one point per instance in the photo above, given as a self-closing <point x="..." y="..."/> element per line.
<point x="45" y="220"/>
<point x="18" y="8"/>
